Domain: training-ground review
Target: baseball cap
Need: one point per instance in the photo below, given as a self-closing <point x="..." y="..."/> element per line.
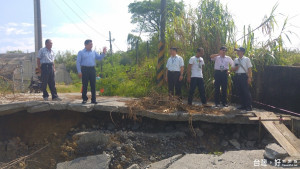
<point x="240" y="49"/>
<point x="174" y="48"/>
<point x="223" y="48"/>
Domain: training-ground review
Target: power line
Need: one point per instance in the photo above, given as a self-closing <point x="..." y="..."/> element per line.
<point x="116" y="46"/>
<point x="69" y="18"/>
<point x="83" y="19"/>
<point x="85" y="13"/>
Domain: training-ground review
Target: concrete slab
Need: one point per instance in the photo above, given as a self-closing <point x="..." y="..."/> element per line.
<point x="42" y="107"/>
<point x="231" y="159"/>
<point x="33" y="103"/>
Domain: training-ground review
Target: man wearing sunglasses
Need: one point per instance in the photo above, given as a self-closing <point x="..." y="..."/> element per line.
<point x="221" y="67"/>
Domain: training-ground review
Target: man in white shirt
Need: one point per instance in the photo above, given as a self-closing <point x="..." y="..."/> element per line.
<point x="221" y="67"/>
<point x="174" y="72"/>
<point x="45" y="64"/>
<point x="195" y="76"/>
<point x="243" y="74"/>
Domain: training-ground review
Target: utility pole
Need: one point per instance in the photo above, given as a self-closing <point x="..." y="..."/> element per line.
<point x="137" y="52"/>
<point x="148" y="49"/>
<point x="37" y="27"/>
<point x="161" y="47"/>
<point x="110" y="45"/>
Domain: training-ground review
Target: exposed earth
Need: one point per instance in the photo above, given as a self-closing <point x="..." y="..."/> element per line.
<point x="95" y="139"/>
<point x="70" y="135"/>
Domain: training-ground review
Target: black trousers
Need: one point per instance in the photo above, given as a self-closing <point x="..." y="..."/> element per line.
<point x="48" y="77"/>
<point x="221" y="80"/>
<point x="173" y="82"/>
<point x="197" y="82"/>
<point x="243" y="90"/>
<point x="88" y="75"/>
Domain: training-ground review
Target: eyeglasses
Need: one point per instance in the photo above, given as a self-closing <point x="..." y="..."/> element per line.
<point x="224" y="50"/>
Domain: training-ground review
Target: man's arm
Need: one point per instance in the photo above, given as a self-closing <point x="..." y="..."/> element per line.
<point x="189" y="73"/>
<point x="78" y="64"/>
<point x="101" y="56"/>
<point x="53" y="66"/>
<point x="38" y="62"/>
<point x="232" y="66"/>
<point x="213" y="56"/>
<point x="249" y="75"/>
<point x="166" y="75"/>
<point x="235" y="67"/>
<point x="181" y="73"/>
<point x="39" y="57"/>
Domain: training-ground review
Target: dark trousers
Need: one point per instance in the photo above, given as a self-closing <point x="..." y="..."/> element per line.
<point x="48" y="77"/>
<point x="88" y="75"/>
<point x="221" y="79"/>
<point x="173" y="82"/>
<point x="243" y="90"/>
<point x="197" y="82"/>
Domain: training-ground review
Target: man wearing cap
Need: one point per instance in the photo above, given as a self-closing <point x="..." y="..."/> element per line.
<point x="45" y="63"/>
<point x="243" y="73"/>
<point x="86" y="69"/>
<point x="174" y="72"/>
<point x="221" y="67"/>
<point x="195" y="76"/>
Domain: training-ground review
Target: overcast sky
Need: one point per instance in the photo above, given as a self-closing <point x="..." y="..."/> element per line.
<point x="69" y="22"/>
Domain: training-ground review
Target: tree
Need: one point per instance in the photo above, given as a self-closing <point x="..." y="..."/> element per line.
<point x="146" y="14"/>
<point x="15" y="51"/>
<point x="132" y="40"/>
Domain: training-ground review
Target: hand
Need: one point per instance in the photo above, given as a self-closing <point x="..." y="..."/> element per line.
<point x="180" y="78"/>
<point x="80" y="75"/>
<point x="249" y="80"/>
<point x="53" y="68"/>
<point x="39" y="70"/>
<point x="104" y="50"/>
<point x="166" y="79"/>
<point x="189" y="79"/>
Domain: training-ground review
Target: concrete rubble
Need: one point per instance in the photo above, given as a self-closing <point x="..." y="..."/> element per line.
<point x="90" y="162"/>
<point x="274" y="151"/>
<point x="231" y="159"/>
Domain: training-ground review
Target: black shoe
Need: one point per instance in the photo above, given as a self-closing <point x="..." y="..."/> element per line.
<point x="225" y="105"/>
<point x="241" y="108"/>
<point x="57" y="99"/>
<point x="249" y="109"/>
<point x="94" y="102"/>
<point x="84" y="101"/>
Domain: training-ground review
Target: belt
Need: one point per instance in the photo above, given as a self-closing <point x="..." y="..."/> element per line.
<point x="239" y="74"/>
<point x="221" y="70"/>
<point x="47" y="63"/>
<point x="88" y="66"/>
<point x="173" y="71"/>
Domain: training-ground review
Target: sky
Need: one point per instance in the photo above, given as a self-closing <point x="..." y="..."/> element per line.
<point x="69" y="22"/>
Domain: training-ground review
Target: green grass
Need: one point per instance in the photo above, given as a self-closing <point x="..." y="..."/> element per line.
<point x="72" y="88"/>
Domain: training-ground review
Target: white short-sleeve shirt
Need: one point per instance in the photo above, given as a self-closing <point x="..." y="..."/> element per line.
<point x="197" y="64"/>
<point x="46" y="56"/>
<point x="245" y="61"/>
<point x="222" y="63"/>
<point x="175" y="63"/>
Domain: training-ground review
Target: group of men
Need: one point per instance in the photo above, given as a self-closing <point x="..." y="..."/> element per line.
<point x="223" y="66"/>
<point x="174" y="74"/>
<point x="85" y="66"/>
